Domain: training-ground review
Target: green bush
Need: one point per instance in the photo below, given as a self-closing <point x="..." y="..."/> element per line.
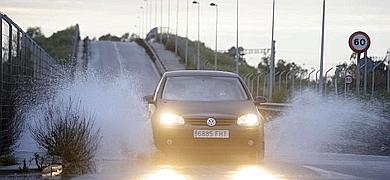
<point x="170" y="45"/>
<point x="68" y="133"/>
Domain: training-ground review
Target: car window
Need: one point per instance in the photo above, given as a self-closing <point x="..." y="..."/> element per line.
<point x="203" y="88"/>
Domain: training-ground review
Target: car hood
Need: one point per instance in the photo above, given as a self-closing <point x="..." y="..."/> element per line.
<point x="226" y="109"/>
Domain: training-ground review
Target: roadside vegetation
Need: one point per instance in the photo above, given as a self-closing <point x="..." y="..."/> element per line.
<point x="59" y="45"/>
<point x="67" y="132"/>
<point x="124" y="38"/>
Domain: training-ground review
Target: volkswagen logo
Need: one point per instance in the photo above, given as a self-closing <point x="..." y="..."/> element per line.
<point x="211" y="122"/>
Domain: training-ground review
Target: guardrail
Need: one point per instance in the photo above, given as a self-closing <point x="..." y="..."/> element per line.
<point x="275" y="107"/>
<point x="153" y="56"/>
<point x="270" y="110"/>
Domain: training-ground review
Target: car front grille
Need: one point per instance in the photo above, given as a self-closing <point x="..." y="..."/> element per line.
<point x="203" y="122"/>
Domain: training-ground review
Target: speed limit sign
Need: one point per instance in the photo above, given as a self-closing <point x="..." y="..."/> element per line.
<point x="348" y="79"/>
<point x="359" y="42"/>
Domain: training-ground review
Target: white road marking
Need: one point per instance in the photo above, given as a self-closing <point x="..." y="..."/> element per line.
<point x="331" y="174"/>
<point x="119" y="57"/>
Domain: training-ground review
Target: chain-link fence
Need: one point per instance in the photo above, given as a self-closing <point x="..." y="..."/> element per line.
<point x="23" y="63"/>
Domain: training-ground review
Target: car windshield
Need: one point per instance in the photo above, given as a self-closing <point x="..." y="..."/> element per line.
<point x="203" y="88"/>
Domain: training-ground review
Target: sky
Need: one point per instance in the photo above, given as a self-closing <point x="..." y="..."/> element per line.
<point x="297" y="23"/>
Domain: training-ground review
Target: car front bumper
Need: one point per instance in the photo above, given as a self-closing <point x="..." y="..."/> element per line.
<point x="181" y="138"/>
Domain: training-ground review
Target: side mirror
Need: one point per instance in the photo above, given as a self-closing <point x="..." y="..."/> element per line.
<point x="149" y="99"/>
<point x="260" y="99"/>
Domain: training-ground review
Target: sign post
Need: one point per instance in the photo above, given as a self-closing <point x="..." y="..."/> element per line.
<point x="347" y="80"/>
<point x="359" y="42"/>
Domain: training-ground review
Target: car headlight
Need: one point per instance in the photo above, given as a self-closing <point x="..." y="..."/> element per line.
<point x="171" y="119"/>
<point x="248" y="120"/>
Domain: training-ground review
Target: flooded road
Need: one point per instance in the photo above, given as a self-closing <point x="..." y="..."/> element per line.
<point x="126" y="75"/>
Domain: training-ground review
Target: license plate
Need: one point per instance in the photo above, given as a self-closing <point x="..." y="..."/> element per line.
<point x="219" y="134"/>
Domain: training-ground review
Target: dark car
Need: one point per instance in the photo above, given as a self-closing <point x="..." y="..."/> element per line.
<point x="206" y="111"/>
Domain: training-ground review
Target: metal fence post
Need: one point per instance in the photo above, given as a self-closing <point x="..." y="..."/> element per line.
<point x="293" y="81"/>
<point x="265" y="84"/>
<point x="325" y="78"/>
<point x="253" y="84"/>
<point x="1" y="74"/>
<point x="336" y="75"/>
<point x="388" y="72"/>
<point x="280" y="79"/>
<point x="1" y="58"/>
<point x="373" y="77"/>
<point x="257" y="85"/>
<point x="288" y="73"/>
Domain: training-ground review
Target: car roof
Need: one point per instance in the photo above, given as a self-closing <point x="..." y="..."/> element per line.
<point x="199" y="73"/>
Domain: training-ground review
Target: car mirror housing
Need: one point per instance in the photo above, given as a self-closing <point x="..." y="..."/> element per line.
<point x="149" y="99"/>
<point x="260" y="99"/>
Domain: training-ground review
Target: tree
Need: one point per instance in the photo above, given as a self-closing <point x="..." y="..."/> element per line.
<point x="232" y="53"/>
<point x="109" y="37"/>
<point x="125" y="37"/>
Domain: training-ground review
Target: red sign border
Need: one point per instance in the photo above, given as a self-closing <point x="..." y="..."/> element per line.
<point x="355" y="34"/>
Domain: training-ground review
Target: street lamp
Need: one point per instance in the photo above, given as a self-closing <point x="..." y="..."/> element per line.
<point x="169" y="17"/>
<point x="161" y="21"/>
<point x="177" y="26"/>
<point x="321" y="85"/>
<point x="146" y="7"/>
<point x="186" y="53"/>
<point x="272" y="64"/>
<point x="198" y="63"/>
<point x="139" y="29"/>
<point x="237" y="49"/>
<point x="143" y="21"/>
<point x="216" y="36"/>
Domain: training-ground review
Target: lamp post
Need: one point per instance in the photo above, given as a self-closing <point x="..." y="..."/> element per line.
<point x="150" y="14"/>
<point x="198" y="58"/>
<point x="155" y="18"/>
<point x="321" y="85"/>
<point x="169" y="17"/>
<point x="237" y="48"/>
<point x="186" y="53"/>
<point x="143" y="21"/>
<point x="146" y="6"/>
<point x="161" y="21"/>
<point x="272" y="64"/>
<point x="139" y="29"/>
<point x="216" y="36"/>
<point x="177" y="26"/>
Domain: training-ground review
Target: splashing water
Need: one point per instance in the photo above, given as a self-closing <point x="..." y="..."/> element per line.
<point x="117" y="106"/>
<point x="315" y="124"/>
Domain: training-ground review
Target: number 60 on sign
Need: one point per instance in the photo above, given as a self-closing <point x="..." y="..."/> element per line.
<point x="359" y="42"/>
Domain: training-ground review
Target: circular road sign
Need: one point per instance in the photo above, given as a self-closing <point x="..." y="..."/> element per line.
<point x="359" y="42"/>
<point x="348" y="79"/>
